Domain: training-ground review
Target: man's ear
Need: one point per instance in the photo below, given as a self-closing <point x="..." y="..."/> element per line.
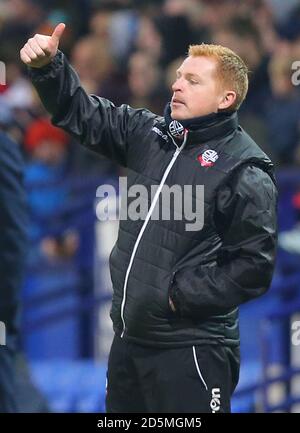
<point x="228" y="100"/>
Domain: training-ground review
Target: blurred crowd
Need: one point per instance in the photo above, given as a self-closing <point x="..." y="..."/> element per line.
<point x="128" y="51"/>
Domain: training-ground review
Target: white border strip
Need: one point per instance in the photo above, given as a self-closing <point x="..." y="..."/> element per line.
<point x="198" y="369"/>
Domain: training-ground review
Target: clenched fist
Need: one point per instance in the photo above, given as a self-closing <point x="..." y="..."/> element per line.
<point x="40" y="50"/>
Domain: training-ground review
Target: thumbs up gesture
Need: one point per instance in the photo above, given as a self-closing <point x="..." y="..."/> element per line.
<point x="40" y="50"/>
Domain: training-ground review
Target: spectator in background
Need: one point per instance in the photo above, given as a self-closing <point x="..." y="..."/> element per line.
<point x="242" y="36"/>
<point x="48" y="191"/>
<point x="175" y="30"/>
<point x="146" y="83"/>
<point x="96" y="58"/>
<point x="25" y="16"/>
<point x="50" y="178"/>
<point x="19" y="97"/>
<point x="289" y="240"/>
<point x="148" y="38"/>
<point x="18" y="92"/>
<point x="13" y="248"/>
<point x="90" y="57"/>
<point x="283" y="111"/>
<point x="22" y="18"/>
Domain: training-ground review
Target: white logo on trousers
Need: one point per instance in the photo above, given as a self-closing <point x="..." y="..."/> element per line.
<point x="215" y="402"/>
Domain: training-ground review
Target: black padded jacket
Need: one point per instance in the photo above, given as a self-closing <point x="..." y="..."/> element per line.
<point x="207" y="272"/>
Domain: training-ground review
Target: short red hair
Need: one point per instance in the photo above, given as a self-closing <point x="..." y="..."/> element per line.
<point x="232" y="72"/>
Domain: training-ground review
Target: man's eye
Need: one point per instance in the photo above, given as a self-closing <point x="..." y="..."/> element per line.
<point x="193" y="81"/>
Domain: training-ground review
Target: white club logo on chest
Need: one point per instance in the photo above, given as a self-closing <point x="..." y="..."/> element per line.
<point x="176" y="129"/>
<point x="208" y="158"/>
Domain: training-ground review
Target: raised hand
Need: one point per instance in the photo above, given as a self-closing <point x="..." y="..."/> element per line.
<point x="40" y="50"/>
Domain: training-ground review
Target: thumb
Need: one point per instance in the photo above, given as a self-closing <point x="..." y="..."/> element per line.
<point x="57" y="33"/>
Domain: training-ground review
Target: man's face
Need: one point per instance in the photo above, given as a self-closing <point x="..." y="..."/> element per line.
<point x="196" y="90"/>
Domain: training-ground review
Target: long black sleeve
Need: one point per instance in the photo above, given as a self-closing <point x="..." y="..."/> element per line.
<point x="96" y="122"/>
<point x="246" y="215"/>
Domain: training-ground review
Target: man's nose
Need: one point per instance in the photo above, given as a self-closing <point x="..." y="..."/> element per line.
<point x="177" y="85"/>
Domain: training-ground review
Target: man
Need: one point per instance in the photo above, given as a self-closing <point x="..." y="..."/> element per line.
<point x="176" y="291"/>
<point x="13" y="219"/>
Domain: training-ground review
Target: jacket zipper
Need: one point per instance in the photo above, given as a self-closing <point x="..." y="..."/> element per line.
<point x="148" y="216"/>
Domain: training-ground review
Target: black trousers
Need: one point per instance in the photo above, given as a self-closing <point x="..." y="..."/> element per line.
<point x="196" y="379"/>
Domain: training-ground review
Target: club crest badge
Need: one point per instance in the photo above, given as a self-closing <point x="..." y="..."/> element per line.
<point x="176" y="129"/>
<point x="208" y="158"/>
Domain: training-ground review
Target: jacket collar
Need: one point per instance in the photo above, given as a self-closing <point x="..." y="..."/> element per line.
<point x="201" y="129"/>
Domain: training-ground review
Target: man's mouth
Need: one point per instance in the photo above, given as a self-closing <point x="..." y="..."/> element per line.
<point x="177" y="102"/>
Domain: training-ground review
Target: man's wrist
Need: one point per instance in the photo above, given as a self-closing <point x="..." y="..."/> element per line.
<point x="48" y="70"/>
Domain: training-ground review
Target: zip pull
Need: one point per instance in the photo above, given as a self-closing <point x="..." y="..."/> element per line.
<point x="186" y="131"/>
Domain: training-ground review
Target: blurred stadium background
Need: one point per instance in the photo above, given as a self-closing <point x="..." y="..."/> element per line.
<point x="128" y="51"/>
